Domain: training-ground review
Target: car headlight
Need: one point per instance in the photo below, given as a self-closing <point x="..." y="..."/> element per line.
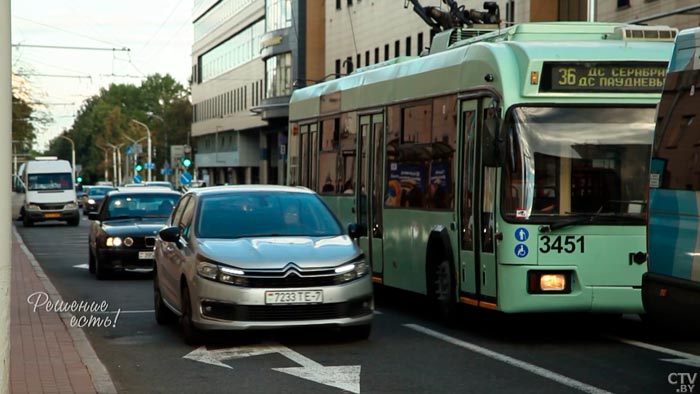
<point x="351" y="271"/>
<point x="32" y="207"/>
<point x="114" y="241"/>
<point x="91" y="201"/>
<point x="231" y="276"/>
<point x="70" y="205"/>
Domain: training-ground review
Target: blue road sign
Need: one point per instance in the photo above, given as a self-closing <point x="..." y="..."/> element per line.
<point x="149" y="165"/>
<point x="185" y="178"/>
<point x="129" y="150"/>
<point x="166" y="171"/>
<point x="138" y="178"/>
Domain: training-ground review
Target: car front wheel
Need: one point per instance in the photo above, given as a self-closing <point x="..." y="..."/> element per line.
<point x="190" y="333"/>
<point x="163" y="314"/>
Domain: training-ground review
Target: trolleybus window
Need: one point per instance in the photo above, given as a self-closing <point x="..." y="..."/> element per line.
<point x="563" y="161"/>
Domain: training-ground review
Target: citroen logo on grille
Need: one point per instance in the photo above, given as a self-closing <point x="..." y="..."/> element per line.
<point x="291" y="269"/>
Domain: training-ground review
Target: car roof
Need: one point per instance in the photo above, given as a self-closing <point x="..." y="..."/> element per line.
<point x="202" y="191"/>
<point x="143" y="190"/>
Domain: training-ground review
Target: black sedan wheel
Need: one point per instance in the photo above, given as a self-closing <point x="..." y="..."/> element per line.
<point x="91" y="261"/>
<point x="100" y="270"/>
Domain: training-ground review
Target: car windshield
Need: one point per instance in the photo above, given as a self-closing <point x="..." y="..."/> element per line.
<point x="141" y="206"/>
<point x="260" y="214"/>
<point x="99" y="191"/>
<point x="578" y="161"/>
<point x="58" y="181"/>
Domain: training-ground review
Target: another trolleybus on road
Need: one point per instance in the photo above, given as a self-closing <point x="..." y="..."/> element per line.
<point x="506" y="170"/>
<point x="671" y="288"/>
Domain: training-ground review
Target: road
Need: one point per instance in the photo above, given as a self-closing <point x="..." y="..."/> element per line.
<point x="409" y="351"/>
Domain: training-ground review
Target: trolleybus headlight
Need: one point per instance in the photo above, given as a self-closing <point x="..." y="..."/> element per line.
<point x="540" y="282"/>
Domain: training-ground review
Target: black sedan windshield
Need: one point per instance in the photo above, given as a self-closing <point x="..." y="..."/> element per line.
<point x="141" y="205"/>
<point x="259" y="214"/>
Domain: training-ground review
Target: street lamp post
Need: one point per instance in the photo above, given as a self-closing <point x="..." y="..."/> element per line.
<point x="133" y="142"/>
<point x="106" y="162"/>
<point x="148" y="135"/>
<point x="72" y="147"/>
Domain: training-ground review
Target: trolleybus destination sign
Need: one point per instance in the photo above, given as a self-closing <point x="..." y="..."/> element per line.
<point x="603" y="77"/>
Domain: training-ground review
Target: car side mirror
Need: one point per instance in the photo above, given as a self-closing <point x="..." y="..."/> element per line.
<point x="170" y="234"/>
<point x="94" y="215"/>
<point x="357" y="230"/>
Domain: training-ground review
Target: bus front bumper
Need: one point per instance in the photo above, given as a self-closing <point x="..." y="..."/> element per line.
<point x="515" y="298"/>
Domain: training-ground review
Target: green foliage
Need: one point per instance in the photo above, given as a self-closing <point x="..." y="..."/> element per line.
<point x="160" y="102"/>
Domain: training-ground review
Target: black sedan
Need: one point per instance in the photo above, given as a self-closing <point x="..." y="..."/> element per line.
<point x="123" y="231"/>
<point x="93" y="198"/>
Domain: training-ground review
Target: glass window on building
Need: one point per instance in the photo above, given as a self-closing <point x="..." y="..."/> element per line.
<point x="240" y="48"/>
<point x="278" y="14"/>
<point x="278" y="75"/>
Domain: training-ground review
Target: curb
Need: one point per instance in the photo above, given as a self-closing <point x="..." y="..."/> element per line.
<point x="98" y="373"/>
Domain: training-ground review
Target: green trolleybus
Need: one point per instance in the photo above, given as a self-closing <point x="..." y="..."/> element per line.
<point x="506" y="170"/>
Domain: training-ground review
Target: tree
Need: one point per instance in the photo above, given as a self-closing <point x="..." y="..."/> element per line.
<point x="106" y="119"/>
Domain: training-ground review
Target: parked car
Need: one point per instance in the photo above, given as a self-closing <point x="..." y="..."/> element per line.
<point x="123" y="231"/>
<point x="94" y="197"/>
<point x="80" y="193"/>
<point x="257" y="257"/>
<point x="165" y="184"/>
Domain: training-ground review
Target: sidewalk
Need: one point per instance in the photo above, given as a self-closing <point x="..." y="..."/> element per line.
<point x="47" y="355"/>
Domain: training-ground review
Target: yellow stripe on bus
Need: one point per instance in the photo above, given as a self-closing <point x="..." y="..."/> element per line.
<point x="473" y="302"/>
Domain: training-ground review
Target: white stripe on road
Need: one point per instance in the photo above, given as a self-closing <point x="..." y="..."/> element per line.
<point x="545" y="373"/>
<point x="655" y="348"/>
<point x="123" y="312"/>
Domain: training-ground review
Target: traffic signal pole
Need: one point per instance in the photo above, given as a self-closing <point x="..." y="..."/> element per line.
<point x="5" y="179"/>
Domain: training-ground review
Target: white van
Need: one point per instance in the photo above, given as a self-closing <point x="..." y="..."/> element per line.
<point x="43" y="190"/>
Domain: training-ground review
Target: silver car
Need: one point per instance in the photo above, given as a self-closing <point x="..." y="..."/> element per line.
<point x="259" y="257"/>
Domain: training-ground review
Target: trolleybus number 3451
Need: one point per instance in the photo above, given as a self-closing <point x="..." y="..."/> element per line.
<point x="559" y="244"/>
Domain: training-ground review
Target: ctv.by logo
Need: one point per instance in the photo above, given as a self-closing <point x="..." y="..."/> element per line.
<point x="683" y="381"/>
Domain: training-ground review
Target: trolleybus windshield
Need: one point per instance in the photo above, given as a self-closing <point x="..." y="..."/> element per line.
<point x="564" y="162"/>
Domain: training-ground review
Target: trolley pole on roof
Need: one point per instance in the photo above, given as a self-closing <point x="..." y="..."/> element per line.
<point x="591" y="10"/>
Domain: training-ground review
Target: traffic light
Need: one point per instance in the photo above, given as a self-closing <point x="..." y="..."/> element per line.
<point x="138" y="167"/>
<point x="186" y="162"/>
<point x="79" y="179"/>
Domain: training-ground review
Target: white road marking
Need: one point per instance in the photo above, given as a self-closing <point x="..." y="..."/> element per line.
<point x="545" y="373"/>
<point x="683" y="358"/>
<point x="346" y="377"/>
<point x="82" y="266"/>
<point x="123" y="312"/>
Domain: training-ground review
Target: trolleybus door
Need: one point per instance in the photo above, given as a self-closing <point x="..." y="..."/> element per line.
<point x="369" y="192"/>
<point x="477" y="204"/>
<point x="309" y="155"/>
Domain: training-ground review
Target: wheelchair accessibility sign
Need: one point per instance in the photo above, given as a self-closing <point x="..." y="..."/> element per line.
<point x="521" y="250"/>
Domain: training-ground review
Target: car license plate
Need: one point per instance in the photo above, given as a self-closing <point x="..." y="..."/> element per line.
<point x="52" y="215"/>
<point x="146" y="255"/>
<point x="294" y="297"/>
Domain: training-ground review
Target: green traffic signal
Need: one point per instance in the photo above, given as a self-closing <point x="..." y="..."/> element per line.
<point x="79" y="179"/>
<point x="186" y="161"/>
<point x="138" y="167"/>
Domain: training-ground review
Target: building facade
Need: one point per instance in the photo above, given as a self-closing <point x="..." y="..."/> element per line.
<point x="249" y="55"/>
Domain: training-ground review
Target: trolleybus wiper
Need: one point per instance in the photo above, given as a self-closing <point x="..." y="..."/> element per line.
<point x="581" y="218"/>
